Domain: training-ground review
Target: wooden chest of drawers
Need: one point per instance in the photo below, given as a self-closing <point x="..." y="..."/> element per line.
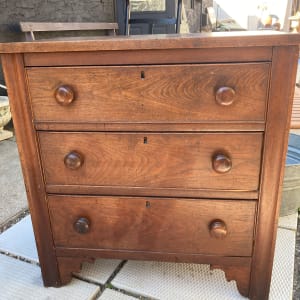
<point x="155" y="147"/>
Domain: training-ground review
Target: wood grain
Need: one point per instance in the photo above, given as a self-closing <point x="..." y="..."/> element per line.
<point x="156" y="41"/>
<point x="146" y="191"/>
<point x="153" y="160"/>
<point x="28" y="151"/>
<point x="159" y="56"/>
<point x="241" y="275"/>
<point x="200" y="126"/>
<point x="69" y="265"/>
<point x="155" y="256"/>
<point x="165" y="94"/>
<point x="163" y="224"/>
<point x="274" y="155"/>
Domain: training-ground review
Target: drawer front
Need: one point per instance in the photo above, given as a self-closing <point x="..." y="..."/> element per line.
<point x="143" y="94"/>
<point x="212" y="227"/>
<point x="186" y="161"/>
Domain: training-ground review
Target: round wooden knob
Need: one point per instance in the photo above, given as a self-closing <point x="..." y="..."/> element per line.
<point x="64" y="95"/>
<point x="82" y="225"/>
<point x="221" y="163"/>
<point x="217" y="229"/>
<point x="73" y="160"/>
<point x="225" y="95"/>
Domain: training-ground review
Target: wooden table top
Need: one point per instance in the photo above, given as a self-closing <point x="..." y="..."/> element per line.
<point x="170" y="41"/>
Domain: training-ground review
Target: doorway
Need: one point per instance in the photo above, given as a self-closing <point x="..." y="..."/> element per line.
<point x="147" y="9"/>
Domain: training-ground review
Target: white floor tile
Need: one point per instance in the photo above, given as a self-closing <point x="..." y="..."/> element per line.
<point x="19" y="240"/>
<point x="109" y="294"/>
<point x="288" y="222"/>
<point x="166" y="281"/>
<point x="21" y="280"/>
<point x="175" y="281"/>
<point x="99" y="271"/>
<point x="283" y="267"/>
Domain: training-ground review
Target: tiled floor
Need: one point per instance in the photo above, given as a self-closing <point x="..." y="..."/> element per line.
<point x="114" y="280"/>
<point x="21" y="280"/>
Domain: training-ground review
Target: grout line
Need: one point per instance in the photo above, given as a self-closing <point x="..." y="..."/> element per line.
<point x="136" y="296"/>
<point x="115" y="272"/>
<point x="21" y="258"/>
<point x="14" y="219"/>
<point x="11" y="222"/>
<point x="98" y="294"/>
<point x="88" y="280"/>
<point x="109" y="285"/>
<point x="288" y="228"/>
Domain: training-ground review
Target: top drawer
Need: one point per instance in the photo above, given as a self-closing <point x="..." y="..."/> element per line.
<point x="150" y="94"/>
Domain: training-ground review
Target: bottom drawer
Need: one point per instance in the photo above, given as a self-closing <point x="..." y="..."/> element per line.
<point x="214" y="227"/>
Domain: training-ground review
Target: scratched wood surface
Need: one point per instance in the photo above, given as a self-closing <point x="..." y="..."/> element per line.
<point x="152" y="160"/>
<point x="150" y="93"/>
<point x="205" y="40"/>
<point x="163" y="224"/>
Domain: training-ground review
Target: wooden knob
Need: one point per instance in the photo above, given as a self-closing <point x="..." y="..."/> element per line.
<point x="64" y="95"/>
<point x="82" y="225"/>
<point x="73" y="160"/>
<point x="225" y="95"/>
<point x="221" y="163"/>
<point x="217" y="229"/>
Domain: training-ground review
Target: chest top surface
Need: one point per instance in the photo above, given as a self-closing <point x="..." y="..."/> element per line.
<point x="172" y="41"/>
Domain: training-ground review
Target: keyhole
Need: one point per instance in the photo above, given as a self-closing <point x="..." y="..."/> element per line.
<point x="142" y="75"/>
<point x="145" y="140"/>
<point x="148" y="204"/>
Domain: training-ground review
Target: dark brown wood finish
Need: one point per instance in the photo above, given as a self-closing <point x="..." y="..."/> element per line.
<point x="164" y="224"/>
<point x="183" y="161"/>
<point x="27" y="145"/>
<point x="145" y="191"/>
<point x="64" y="95"/>
<point x="240" y="274"/>
<point x="171" y="41"/>
<point x="185" y="93"/>
<point x="276" y="138"/>
<point x="166" y="148"/>
<point x="69" y="265"/>
<point x="201" y="126"/>
<point x="236" y="261"/>
<point x="170" y="56"/>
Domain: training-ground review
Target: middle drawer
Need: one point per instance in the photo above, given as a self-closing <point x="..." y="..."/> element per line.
<point x="228" y="161"/>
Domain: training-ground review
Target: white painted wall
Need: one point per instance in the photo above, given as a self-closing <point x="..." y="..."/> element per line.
<point x="240" y="10"/>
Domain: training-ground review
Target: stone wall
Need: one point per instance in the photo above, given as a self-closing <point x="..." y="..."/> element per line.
<point x="14" y="11"/>
<point x="193" y="15"/>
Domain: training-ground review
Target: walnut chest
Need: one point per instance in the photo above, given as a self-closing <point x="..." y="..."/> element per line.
<point x="164" y="148"/>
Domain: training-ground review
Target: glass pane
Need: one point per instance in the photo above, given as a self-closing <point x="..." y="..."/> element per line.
<point x="148" y="5"/>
